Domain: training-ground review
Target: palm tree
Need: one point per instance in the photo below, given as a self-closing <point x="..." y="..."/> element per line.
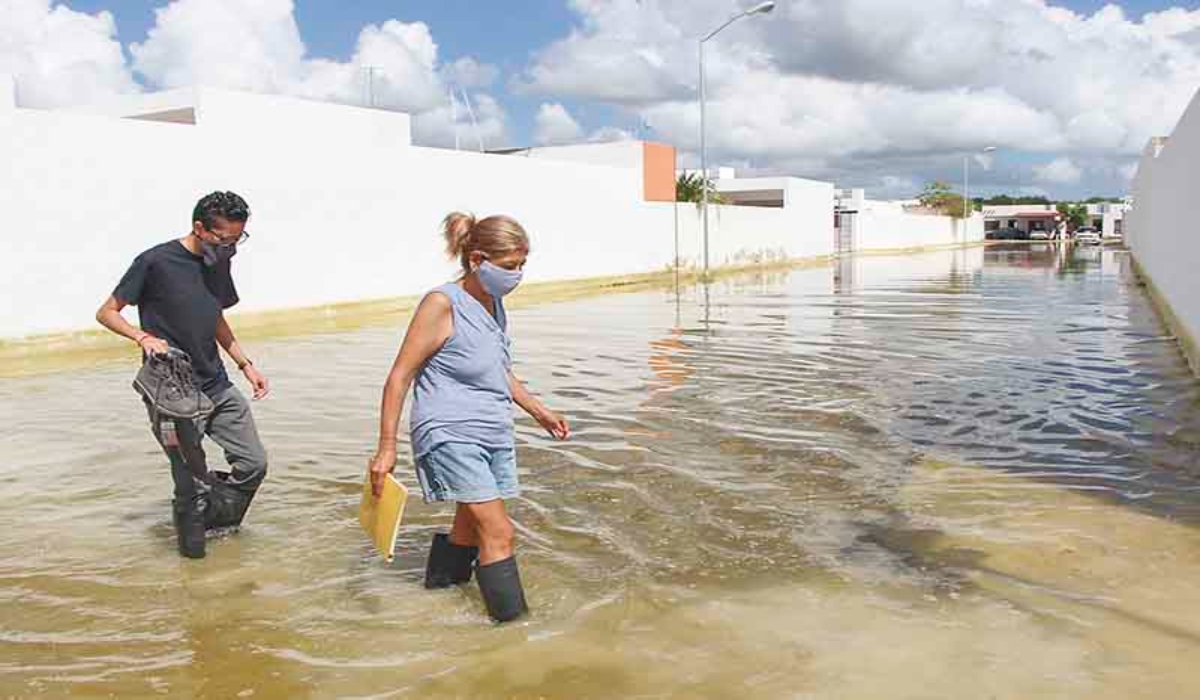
<point x="689" y="187"/>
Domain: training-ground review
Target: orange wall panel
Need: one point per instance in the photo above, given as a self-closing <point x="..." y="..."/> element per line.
<point x="658" y="172"/>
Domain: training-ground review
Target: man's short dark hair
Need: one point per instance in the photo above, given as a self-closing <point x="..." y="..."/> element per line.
<point x="225" y="205"/>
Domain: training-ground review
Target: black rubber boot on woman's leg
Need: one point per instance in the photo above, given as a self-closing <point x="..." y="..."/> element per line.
<point x="189" y="525"/>
<point x="449" y="564"/>
<point x="500" y="584"/>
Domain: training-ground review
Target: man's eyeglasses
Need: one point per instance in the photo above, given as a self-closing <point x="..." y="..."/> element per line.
<point x="223" y="242"/>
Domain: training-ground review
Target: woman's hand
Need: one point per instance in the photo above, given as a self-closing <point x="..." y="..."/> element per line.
<point x="380" y="466"/>
<point x="554" y="424"/>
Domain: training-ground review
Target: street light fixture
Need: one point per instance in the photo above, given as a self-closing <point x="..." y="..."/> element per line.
<point x="761" y="8"/>
<point x="967" y="181"/>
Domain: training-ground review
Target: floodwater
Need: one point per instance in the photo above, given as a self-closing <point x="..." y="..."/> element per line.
<point x="969" y="474"/>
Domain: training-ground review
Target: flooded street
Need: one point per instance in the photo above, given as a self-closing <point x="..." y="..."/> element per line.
<point x="967" y="474"/>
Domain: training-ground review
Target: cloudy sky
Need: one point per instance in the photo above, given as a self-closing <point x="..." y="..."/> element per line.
<point x="882" y="94"/>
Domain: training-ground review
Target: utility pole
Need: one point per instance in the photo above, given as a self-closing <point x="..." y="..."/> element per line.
<point x="370" y="84"/>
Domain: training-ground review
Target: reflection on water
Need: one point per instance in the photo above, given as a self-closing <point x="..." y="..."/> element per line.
<point x="962" y="474"/>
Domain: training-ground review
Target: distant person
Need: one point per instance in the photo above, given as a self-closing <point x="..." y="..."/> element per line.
<point x="181" y="289"/>
<point x="456" y="356"/>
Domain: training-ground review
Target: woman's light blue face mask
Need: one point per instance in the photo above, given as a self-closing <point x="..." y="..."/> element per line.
<point x="496" y="280"/>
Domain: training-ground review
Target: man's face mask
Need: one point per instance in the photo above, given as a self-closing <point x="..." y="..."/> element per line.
<point x="215" y="252"/>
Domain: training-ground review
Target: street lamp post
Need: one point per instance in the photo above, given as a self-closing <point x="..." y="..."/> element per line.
<point x="967" y="182"/>
<point x="761" y="8"/>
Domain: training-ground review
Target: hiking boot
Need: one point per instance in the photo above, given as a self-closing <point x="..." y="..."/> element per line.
<point x="168" y="383"/>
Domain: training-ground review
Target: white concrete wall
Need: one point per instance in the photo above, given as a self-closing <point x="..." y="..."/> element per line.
<point x="748" y="235"/>
<point x="344" y="208"/>
<point x="887" y="228"/>
<point x="1161" y="229"/>
<point x="617" y="154"/>
<point x="140" y="103"/>
<point x="331" y="221"/>
<point x="8" y="92"/>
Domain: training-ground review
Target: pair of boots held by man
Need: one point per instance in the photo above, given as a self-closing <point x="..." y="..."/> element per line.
<point x="499" y="582"/>
<point x="205" y="502"/>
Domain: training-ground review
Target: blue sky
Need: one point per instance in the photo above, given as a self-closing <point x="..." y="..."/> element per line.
<point x="512" y="35"/>
<point x="504" y="34"/>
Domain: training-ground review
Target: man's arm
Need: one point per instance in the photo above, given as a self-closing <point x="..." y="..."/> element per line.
<point x="109" y="316"/>
<point x="229" y="342"/>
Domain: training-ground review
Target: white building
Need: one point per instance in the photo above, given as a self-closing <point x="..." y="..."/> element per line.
<point x="1160" y="228"/>
<point x="1026" y="218"/>
<point x="868" y="224"/>
<point x="345" y="208"/>
<point x="1108" y="218"/>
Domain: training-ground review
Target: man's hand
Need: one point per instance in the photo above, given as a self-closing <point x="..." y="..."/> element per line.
<point x="152" y="346"/>
<point x="260" y="384"/>
<point x="554" y="424"/>
<point x="380" y="466"/>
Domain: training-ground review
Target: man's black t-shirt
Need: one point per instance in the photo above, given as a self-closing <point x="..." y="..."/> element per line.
<point x="180" y="299"/>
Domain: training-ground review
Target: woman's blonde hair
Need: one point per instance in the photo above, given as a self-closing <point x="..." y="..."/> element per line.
<point x="495" y="237"/>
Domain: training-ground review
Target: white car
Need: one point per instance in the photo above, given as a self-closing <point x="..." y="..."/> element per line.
<point x="1087" y="236"/>
<point x="1039" y="236"/>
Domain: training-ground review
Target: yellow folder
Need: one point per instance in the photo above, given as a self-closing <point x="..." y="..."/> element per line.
<point x="380" y="517"/>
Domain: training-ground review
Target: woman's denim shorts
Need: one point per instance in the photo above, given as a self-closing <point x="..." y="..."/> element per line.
<point x="468" y="473"/>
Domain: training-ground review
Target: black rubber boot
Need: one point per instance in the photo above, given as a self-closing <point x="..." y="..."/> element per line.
<point x="189" y="525"/>
<point x="229" y="497"/>
<point x="500" y="584"/>
<point x="449" y="564"/>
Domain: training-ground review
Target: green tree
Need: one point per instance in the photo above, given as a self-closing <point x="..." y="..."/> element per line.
<point x="1005" y="200"/>
<point x="689" y="187"/>
<point x="941" y="197"/>
<point x="1074" y="214"/>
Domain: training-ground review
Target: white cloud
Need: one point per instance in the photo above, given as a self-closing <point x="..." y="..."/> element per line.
<point x="255" y="45"/>
<point x="469" y="73"/>
<point x="58" y="56"/>
<point x="1129" y="171"/>
<point x="228" y="43"/>
<point x="898" y="185"/>
<point x="841" y="85"/>
<point x="608" y="134"/>
<point x="554" y="125"/>
<point x="448" y="125"/>
<point x="1060" y="171"/>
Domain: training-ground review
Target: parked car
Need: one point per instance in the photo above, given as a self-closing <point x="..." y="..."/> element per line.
<point x="1087" y="236"/>
<point x="1006" y="234"/>
<point x="1039" y="236"/>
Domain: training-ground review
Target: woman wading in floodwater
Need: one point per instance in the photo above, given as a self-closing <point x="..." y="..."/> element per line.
<point x="457" y="353"/>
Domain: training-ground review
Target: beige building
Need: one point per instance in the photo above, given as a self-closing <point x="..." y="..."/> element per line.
<point x="1026" y="218"/>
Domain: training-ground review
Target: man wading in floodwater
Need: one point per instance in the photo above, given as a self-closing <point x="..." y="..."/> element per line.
<point x="181" y="289"/>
